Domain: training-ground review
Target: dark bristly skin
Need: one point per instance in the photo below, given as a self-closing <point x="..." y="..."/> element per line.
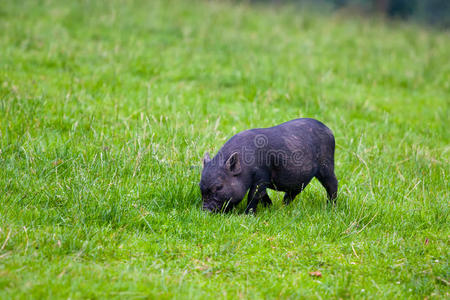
<point x="284" y="158"/>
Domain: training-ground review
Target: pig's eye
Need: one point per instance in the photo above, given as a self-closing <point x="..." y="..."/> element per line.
<point x="219" y="187"/>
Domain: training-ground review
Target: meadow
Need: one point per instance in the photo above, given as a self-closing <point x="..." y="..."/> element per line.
<point x="106" y="110"/>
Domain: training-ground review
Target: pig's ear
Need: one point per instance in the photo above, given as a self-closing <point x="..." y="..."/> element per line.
<point x="233" y="164"/>
<point x="206" y="159"/>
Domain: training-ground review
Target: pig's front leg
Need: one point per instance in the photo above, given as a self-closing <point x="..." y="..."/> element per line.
<point x="289" y="196"/>
<point x="256" y="194"/>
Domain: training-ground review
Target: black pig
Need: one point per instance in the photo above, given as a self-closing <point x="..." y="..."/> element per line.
<point x="284" y="158"/>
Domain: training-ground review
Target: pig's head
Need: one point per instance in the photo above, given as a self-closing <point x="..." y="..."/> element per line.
<point x="222" y="183"/>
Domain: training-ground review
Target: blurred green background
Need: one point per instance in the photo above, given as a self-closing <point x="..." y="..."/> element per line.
<point x="433" y="12"/>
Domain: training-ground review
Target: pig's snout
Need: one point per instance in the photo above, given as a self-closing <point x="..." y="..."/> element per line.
<point x="210" y="206"/>
<point x="213" y="205"/>
<point x="216" y="206"/>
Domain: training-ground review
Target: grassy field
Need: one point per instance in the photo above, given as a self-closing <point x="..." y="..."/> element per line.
<point x="107" y="107"/>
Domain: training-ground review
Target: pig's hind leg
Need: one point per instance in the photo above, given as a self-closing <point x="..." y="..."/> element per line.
<point x="328" y="179"/>
<point x="290" y="195"/>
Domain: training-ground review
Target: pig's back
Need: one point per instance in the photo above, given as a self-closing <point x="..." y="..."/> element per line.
<point x="303" y="145"/>
<point x="305" y="141"/>
<point x="301" y="134"/>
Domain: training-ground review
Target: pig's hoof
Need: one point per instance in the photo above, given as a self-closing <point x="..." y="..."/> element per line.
<point x="250" y="211"/>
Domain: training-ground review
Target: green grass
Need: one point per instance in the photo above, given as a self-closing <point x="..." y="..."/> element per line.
<point x="107" y="107"/>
